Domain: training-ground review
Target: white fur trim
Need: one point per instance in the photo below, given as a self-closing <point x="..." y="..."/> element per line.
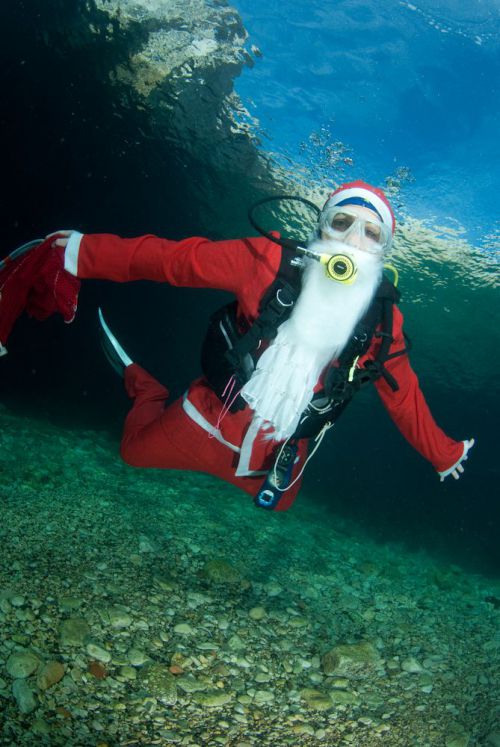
<point x="467" y="445"/>
<point x="198" y="418"/>
<point x="243" y="469"/>
<point x="246" y="449"/>
<point x="367" y="195"/>
<point x="71" y="253"/>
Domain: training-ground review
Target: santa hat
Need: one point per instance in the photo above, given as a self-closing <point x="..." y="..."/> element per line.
<point x="361" y="193"/>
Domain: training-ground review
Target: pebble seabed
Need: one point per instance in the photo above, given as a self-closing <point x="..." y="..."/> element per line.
<point x="150" y="608"/>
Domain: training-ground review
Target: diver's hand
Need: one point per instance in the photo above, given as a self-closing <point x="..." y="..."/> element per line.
<point x="457" y="469"/>
<point x="62" y="238"/>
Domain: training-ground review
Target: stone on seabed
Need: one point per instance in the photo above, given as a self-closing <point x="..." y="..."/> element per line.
<point x="350" y="657"/>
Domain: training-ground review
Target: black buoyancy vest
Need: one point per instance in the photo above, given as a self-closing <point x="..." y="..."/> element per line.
<point x="231" y="347"/>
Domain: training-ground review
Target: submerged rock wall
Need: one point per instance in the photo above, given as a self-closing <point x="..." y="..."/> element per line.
<point x="185" y="43"/>
<point x="127" y="111"/>
<point x="183" y="58"/>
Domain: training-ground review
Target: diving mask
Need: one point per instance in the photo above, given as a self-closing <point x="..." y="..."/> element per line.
<point x="342" y="224"/>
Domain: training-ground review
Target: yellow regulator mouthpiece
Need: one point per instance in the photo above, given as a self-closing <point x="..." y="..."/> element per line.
<point x="339" y="267"/>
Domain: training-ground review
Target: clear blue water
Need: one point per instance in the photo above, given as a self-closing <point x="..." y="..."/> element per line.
<point x="410" y="91"/>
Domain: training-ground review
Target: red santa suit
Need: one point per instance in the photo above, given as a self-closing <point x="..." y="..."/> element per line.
<point x="189" y="434"/>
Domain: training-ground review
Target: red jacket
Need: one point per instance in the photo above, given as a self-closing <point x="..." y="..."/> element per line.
<point x="247" y="267"/>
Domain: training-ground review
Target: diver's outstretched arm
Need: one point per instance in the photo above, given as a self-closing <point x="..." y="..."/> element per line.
<point x="193" y="262"/>
<point x="412" y="416"/>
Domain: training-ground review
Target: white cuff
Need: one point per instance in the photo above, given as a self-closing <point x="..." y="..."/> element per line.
<point x="446" y="472"/>
<point x="71" y="253"/>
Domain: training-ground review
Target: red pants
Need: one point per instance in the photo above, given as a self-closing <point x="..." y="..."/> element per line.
<point x="165" y="437"/>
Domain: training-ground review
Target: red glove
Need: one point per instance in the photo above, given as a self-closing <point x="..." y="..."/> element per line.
<point x="36" y="282"/>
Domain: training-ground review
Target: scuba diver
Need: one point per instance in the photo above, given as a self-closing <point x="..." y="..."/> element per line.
<point x="310" y="326"/>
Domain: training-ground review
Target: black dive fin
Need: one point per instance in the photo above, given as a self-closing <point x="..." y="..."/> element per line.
<point x="116" y="355"/>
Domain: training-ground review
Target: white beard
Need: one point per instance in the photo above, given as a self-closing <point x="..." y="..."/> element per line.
<point x="315" y="334"/>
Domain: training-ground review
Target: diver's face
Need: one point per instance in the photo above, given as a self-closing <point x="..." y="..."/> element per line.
<point x="358" y="227"/>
